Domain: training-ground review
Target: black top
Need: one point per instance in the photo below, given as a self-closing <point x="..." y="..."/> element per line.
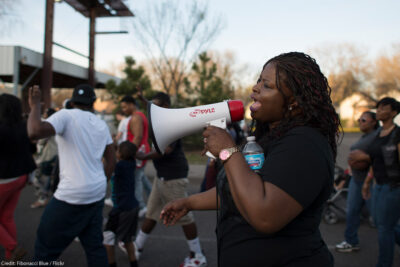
<point x="124" y="186"/>
<point x="15" y="151"/>
<point x="301" y="164"/>
<point x="362" y="144"/>
<point x="376" y="150"/>
<point x="173" y="165"/>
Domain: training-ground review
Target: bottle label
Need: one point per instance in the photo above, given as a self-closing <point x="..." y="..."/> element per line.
<point x="255" y="161"/>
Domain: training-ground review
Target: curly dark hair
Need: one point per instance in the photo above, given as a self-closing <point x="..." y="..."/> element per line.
<point x="129" y="99"/>
<point x="127" y="150"/>
<point x="164" y="99"/>
<point x="10" y="110"/>
<point x="301" y="74"/>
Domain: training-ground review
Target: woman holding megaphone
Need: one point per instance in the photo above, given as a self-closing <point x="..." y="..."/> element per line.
<point x="272" y="217"/>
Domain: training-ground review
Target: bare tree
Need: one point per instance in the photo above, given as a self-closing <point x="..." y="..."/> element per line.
<point x="348" y="69"/>
<point x="238" y="76"/>
<point x="343" y="85"/>
<point x="171" y="34"/>
<point x="387" y="72"/>
<point x="114" y="69"/>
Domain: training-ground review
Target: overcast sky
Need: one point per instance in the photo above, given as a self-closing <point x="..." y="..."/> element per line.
<point x="254" y="30"/>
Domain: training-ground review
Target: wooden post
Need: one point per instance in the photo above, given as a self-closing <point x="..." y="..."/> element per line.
<point x="47" y="69"/>
<point x="92" y="32"/>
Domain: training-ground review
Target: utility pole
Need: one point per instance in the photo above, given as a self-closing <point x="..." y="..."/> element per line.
<point x="92" y="33"/>
<point x="90" y="9"/>
<point x="47" y="69"/>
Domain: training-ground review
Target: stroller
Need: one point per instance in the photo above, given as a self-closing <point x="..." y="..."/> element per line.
<point x="335" y="206"/>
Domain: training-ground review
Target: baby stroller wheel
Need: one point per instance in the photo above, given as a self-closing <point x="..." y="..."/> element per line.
<point x="330" y="217"/>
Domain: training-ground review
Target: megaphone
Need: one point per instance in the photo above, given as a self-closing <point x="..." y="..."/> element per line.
<point x="169" y="125"/>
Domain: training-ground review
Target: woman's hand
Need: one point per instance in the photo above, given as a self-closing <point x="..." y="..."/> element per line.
<point x="216" y="139"/>
<point x="358" y="155"/>
<point x="34" y="96"/>
<point x="174" y="210"/>
<point x="359" y="165"/>
<point x="366" y="190"/>
<point x="140" y="155"/>
<point x="140" y="95"/>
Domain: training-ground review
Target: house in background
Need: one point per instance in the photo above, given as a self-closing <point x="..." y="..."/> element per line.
<point x="351" y="108"/>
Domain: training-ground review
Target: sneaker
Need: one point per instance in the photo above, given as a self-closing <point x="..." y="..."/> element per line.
<point x="41" y="202"/>
<point x="36" y="183"/>
<point x="121" y="245"/>
<point x="346" y="247"/>
<point x="142" y="212"/>
<point x="194" y="260"/>
<point x="138" y="251"/>
<point x="108" y="202"/>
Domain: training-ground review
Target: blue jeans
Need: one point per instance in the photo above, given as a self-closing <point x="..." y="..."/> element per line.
<point x="141" y="182"/>
<point x="386" y="213"/>
<point x="62" y="222"/>
<point x="355" y="204"/>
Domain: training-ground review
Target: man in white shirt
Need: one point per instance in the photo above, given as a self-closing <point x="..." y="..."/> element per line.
<point x="122" y="131"/>
<point x="76" y="209"/>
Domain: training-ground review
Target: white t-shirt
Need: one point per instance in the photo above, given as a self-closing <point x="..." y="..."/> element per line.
<point x="123" y="128"/>
<point x="81" y="138"/>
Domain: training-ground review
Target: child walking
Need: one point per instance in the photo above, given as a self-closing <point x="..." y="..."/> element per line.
<point x="123" y="218"/>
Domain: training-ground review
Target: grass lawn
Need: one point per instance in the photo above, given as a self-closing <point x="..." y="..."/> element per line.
<point x="195" y="157"/>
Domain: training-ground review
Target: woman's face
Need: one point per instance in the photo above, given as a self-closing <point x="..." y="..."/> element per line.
<point x="385" y="112"/>
<point x="269" y="104"/>
<point x="366" y="123"/>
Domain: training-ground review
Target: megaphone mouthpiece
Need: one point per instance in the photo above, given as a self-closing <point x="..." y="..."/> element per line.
<point x="236" y="110"/>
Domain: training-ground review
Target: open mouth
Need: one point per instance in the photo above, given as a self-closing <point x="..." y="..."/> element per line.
<point x="255" y="106"/>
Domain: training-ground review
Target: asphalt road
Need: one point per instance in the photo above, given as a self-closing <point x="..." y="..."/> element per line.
<point x="167" y="246"/>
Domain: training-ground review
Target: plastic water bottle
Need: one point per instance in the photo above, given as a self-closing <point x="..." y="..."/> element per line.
<point x="254" y="154"/>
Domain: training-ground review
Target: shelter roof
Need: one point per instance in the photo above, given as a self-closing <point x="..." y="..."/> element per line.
<point x="103" y="8"/>
<point x="65" y="74"/>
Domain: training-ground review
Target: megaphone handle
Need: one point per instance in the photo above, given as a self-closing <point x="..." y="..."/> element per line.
<point x="208" y="154"/>
<point x="221" y="123"/>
